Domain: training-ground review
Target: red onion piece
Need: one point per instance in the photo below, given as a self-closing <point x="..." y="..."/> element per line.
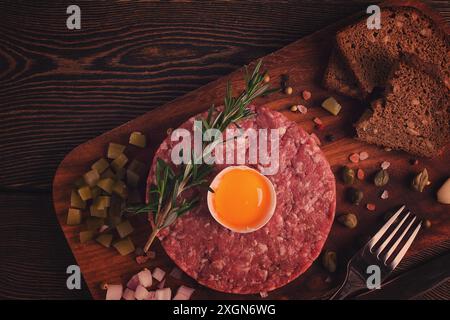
<point x="141" y="293"/>
<point x="161" y="284"/>
<point x="133" y="283"/>
<point x="151" y="295"/>
<point x="114" y="292"/>
<point x="184" y="293"/>
<point x="163" y="294"/>
<point x="128" y="294"/>
<point x="158" y="274"/>
<point x="145" y="278"/>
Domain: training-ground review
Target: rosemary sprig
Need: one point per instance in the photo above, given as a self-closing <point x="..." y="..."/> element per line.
<point x="166" y="202"/>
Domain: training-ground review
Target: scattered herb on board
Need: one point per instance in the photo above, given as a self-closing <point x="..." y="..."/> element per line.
<point x="166" y="203"/>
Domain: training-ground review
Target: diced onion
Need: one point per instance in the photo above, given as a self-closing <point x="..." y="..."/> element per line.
<point x="151" y="295"/>
<point x="128" y="294"/>
<point x="163" y="294"/>
<point x="145" y="278"/>
<point x="158" y="274"/>
<point x="263" y="294"/>
<point x="133" y="282"/>
<point x="161" y="284"/>
<point x="114" y="292"/>
<point x="184" y="293"/>
<point x="141" y="293"/>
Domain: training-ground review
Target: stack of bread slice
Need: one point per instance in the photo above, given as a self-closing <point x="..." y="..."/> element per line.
<point x="409" y="57"/>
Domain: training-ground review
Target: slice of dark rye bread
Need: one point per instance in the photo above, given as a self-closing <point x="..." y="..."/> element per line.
<point x="338" y="78"/>
<point x="414" y="114"/>
<point x="370" y="54"/>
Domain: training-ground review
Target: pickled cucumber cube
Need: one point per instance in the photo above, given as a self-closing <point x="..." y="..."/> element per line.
<point x="132" y="179"/>
<point x="76" y="201"/>
<point x="124" y="229"/>
<point x="137" y="139"/>
<point x="73" y="217"/>
<point x="93" y="223"/>
<point x="117" y="205"/>
<point x="96" y="191"/>
<point x="86" y="235"/>
<point x="134" y="197"/>
<point x="120" y="189"/>
<point x="115" y="150"/>
<point x="91" y="178"/>
<point x="100" y="165"/>
<point x="119" y="162"/>
<point x="108" y="173"/>
<point x="85" y="193"/>
<point x="137" y="167"/>
<point x="332" y="106"/>
<point x="120" y="173"/>
<point x="114" y="219"/>
<point x="102" y="202"/>
<point x="96" y="212"/>
<point x="124" y="246"/>
<point x="106" y="185"/>
<point x="105" y="240"/>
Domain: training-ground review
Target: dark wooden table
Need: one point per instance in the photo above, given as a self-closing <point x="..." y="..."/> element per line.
<point x="60" y="87"/>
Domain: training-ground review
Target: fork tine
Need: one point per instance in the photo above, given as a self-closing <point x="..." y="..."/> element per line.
<point x="405" y="248"/>
<point x="383" y="229"/>
<point x="394" y="246"/>
<point x="393" y="233"/>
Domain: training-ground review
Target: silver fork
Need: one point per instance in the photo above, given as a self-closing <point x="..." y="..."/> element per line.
<point x="379" y="251"/>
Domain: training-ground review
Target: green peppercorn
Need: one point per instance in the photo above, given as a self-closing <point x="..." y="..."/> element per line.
<point x="348" y="175"/>
<point x="349" y="220"/>
<point x="355" y="195"/>
<point x="329" y="260"/>
<point x="381" y="178"/>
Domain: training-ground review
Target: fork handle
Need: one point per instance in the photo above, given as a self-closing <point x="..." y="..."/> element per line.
<point x="353" y="282"/>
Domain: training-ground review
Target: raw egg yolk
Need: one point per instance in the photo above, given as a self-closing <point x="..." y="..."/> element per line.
<point x="241" y="199"/>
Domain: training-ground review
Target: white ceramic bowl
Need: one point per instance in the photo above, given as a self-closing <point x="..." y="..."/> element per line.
<point x="269" y="213"/>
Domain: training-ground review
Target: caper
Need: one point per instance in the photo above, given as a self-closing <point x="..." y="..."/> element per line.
<point x="349" y="220"/>
<point x="420" y="181"/>
<point x="381" y="178"/>
<point x="355" y="195"/>
<point x="329" y="260"/>
<point x="348" y="175"/>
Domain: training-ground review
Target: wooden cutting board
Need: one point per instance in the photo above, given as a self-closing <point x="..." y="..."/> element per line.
<point x="304" y="61"/>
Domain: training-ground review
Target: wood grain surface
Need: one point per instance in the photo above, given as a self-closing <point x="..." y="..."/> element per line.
<point x="60" y="88"/>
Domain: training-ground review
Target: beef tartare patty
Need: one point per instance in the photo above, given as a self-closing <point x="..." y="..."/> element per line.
<point x="286" y="246"/>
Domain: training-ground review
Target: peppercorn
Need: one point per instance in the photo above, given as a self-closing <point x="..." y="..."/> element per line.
<point x="288" y="90"/>
<point x="427" y="224"/>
